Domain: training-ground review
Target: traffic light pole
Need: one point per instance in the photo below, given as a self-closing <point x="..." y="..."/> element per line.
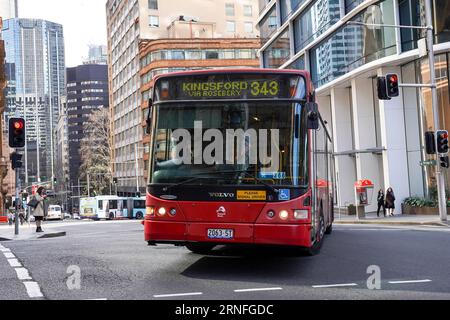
<point x="440" y="183"/>
<point x="17" y="216"/>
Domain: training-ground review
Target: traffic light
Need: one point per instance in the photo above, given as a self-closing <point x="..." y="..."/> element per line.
<point x="115" y="181"/>
<point x="16" y="133"/>
<point x="442" y="142"/>
<point x="16" y="160"/>
<point x="388" y="87"/>
<point x="382" y="89"/>
<point x="430" y="142"/>
<point x="444" y="162"/>
<point x="392" y="85"/>
<point x="24" y="196"/>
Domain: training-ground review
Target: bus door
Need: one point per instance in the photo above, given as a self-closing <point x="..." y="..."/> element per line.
<point x="130" y="208"/>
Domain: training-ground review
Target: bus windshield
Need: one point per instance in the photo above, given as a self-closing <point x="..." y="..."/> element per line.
<point x="230" y="143"/>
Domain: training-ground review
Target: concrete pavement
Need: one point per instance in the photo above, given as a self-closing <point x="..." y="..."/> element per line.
<point x="412" y="220"/>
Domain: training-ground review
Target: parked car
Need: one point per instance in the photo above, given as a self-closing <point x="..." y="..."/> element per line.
<point x="67" y="215"/>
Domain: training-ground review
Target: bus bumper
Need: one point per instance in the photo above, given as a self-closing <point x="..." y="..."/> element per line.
<point x="260" y="234"/>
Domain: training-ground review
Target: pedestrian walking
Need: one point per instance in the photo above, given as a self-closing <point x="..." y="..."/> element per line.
<point x="381" y="203"/>
<point x="40" y="209"/>
<point x="390" y="202"/>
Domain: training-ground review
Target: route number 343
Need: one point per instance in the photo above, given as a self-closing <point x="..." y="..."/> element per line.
<point x="265" y="88"/>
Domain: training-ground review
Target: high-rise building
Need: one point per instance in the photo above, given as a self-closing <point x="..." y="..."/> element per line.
<point x="98" y="54"/>
<point x="35" y="69"/>
<point x="87" y="91"/>
<point x="62" y="186"/>
<point x="129" y="21"/>
<point x="345" y="46"/>
<point x="9" y="9"/>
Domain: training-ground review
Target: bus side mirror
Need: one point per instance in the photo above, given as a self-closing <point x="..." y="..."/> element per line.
<point x="149" y="116"/>
<point x="312" y="116"/>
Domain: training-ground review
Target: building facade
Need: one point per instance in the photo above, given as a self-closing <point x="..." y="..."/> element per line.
<point x="128" y="22"/>
<point x="35" y="69"/>
<point x="9" y="9"/>
<point x="87" y="91"/>
<point x="377" y="140"/>
<point x="62" y="186"/>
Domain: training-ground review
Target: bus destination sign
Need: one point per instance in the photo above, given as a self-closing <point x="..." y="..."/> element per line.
<point x="236" y="86"/>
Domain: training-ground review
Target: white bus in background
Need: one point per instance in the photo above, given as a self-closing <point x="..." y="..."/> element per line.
<point x="102" y="207"/>
<point x="54" y="213"/>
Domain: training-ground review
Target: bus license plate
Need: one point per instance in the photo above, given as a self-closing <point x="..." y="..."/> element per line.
<point x="220" y="233"/>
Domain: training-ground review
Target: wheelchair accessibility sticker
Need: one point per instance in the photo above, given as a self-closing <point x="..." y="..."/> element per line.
<point x="284" y="195"/>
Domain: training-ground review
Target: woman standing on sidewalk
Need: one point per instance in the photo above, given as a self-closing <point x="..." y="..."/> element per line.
<point x="381" y="203"/>
<point x="39" y="212"/>
<point x="390" y="202"/>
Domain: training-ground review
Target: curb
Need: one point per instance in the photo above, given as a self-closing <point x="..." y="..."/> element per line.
<point x="401" y="223"/>
<point x="35" y="237"/>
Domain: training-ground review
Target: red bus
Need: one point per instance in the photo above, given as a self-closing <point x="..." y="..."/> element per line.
<point x="238" y="157"/>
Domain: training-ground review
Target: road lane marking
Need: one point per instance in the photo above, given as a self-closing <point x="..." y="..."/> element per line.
<point x="102" y="299"/>
<point x="9" y="255"/>
<point x="4" y="250"/>
<point x="23" y="274"/>
<point x="33" y="289"/>
<point x="178" y="295"/>
<point x="257" y="289"/>
<point x="336" y="285"/>
<point x="14" y="263"/>
<point x="410" y="281"/>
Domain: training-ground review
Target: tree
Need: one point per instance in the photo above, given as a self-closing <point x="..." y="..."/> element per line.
<point x="95" y="149"/>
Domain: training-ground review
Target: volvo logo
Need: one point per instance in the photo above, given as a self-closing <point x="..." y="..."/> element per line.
<point x="221" y="195"/>
<point x="221" y="212"/>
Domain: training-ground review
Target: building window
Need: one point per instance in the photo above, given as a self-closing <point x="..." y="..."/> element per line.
<point x="278" y="52"/>
<point x="314" y="21"/>
<point x="248" y="27"/>
<point x="288" y="7"/>
<point x="153" y="21"/>
<point x="153" y="4"/>
<point x="351" y="4"/>
<point x="229" y="9"/>
<point x="248" y="11"/>
<point x="212" y="55"/>
<point x="268" y="25"/>
<point x="352" y="46"/>
<point x="231" y="26"/>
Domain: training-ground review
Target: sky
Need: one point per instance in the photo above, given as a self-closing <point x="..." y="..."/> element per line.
<point x="84" y="23"/>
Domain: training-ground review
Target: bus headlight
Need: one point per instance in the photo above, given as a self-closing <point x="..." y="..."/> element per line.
<point x="162" y="211"/>
<point x="284" y="215"/>
<point x="301" y="214"/>
<point x="149" y="212"/>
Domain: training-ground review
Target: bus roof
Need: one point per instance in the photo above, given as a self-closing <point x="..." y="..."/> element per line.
<point x="234" y="71"/>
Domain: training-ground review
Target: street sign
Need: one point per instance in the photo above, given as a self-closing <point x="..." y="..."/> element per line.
<point x="428" y="163"/>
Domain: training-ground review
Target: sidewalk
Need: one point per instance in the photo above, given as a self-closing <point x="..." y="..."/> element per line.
<point x="413" y="220"/>
<point x="26" y="232"/>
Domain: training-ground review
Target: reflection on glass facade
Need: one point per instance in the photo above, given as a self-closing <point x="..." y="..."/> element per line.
<point x="36" y="75"/>
<point x="268" y="25"/>
<point x="287" y="7"/>
<point x="298" y="64"/>
<point x="315" y="21"/>
<point x="353" y="46"/>
<point x="278" y="52"/>
<point x="352" y="4"/>
<point x="421" y="72"/>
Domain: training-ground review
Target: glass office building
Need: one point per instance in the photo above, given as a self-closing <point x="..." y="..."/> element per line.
<point x="35" y="68"/>
<point x="345" y="45"/>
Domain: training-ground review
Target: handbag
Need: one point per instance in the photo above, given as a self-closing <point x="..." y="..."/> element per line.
<point x="33" y="203"/>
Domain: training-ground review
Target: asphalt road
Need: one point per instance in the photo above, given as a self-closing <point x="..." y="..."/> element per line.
<point x="116" y="264"/>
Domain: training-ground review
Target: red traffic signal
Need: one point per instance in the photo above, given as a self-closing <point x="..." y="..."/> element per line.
<point x="392" y="85"/>
<point x="442" y="142"/>
<point x="17" y="133"/>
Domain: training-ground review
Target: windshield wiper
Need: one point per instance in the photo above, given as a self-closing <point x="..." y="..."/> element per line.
<point x="165" y="189"/>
